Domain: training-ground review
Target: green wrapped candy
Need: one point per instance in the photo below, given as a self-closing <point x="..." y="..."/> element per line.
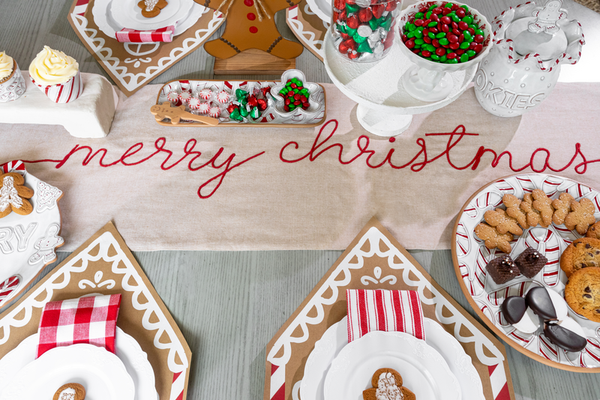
<point x="364" y="48"/>
<point x="351" y="8"/>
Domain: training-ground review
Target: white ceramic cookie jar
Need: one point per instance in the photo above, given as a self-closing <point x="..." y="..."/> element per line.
<point x="523" y="67"/>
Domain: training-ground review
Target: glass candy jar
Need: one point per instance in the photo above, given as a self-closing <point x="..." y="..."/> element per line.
<point x="363" y="30"/>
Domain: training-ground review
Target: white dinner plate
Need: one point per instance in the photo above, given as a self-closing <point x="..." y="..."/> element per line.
<point x="127" y="349"/>
<point x="108" y="26"/>
<point x="322" y="8"/>
<point x="126" y="13"/>
<point x="336" y="337"/>
<point x="102" y="374"/>
<point x="424" y="371"/>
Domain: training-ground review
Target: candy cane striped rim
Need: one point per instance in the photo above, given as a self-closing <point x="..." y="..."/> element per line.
<point x="13" y="166"/>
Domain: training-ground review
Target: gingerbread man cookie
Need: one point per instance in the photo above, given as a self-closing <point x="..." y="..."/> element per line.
<point x="70" y="391"/>
<point x="562" y="206"/>
<point x="581" y="216"/>
<point x="387" y="385"/>
<point x="493" y="239"/>
<point x="151" y="8"/>
<point x="513" y="209"/>
<point x="533" y="216"/>
<point x="46" y="246"/>
<point x="251" y="25"/>
<point x="13" y="195"/>
<point x="502" y="222"/>
<point x="543" y="204"/>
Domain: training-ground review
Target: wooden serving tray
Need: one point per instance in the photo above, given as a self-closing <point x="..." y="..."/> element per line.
<point x="272" y="117"/>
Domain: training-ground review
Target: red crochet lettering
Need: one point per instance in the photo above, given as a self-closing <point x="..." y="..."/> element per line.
<point x="322" y="145"/>
<point x="225" y="166"/>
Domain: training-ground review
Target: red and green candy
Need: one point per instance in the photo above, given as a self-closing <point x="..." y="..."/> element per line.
<point x="295" y="95"/>
<point x="444" y="33"/>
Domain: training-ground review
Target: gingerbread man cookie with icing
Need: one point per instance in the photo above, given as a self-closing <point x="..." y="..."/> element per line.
<point x="13" y="195"/>
<point x="387" y="385"/>
<point x="70" y="391"/>
<point x="151" y="8"/>
<point x="251" y="25"/>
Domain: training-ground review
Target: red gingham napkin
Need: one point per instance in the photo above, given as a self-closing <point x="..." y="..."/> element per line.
<point x="90" y="320"/>
<point x="384" y="310"/>
<point x="159" y="35"/>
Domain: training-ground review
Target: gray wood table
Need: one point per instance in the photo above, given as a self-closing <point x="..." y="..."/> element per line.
<point x="230" y="304"/>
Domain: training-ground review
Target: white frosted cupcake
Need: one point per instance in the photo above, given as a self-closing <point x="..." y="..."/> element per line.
<point x="57" y="75"/>
<point x="12" y="84"/>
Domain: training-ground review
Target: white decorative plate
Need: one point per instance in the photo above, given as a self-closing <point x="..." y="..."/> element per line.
<point x="424" y="371"/>
<point x="127" y="349"/>
<point x="322" y="8"/>
<point x="108" y="26"/>
<point x="101" y="372"/>
<point x="28" y="242"/>
<point x="126" y="13"/>
<point x="471" y="257"/>
<point x="336" y="337"/>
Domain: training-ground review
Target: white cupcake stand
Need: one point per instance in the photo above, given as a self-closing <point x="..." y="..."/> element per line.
<point x="385" y="107"/>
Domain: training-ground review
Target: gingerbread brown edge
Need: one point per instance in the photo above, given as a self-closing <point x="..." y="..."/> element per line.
<point x="483" y="317"/>
<point x="374" y="223"/>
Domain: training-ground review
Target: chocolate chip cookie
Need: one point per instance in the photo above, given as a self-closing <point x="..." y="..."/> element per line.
<point x="582" y="253"/>
<point x="583" y="293"/>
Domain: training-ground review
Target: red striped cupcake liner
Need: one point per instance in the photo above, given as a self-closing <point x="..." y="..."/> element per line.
<point x="63" y="92"/>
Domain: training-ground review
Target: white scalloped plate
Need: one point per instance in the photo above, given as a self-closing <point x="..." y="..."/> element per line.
<point x="336" y="337"/>
<point x="424" y="371"/>
<point x="470" y="258"/>
<point x="129" y="15"/>
<point x="101" y="372"/>
<point x="127" y="349"/>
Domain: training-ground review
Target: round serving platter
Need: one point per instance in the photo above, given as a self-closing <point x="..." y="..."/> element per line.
<point x="470" y="257"/>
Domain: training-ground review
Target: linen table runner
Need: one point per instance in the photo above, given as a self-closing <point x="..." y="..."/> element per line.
<point x="247" y="188"/>
<point x="91" y="320"/>
<point x="384" y="310"/>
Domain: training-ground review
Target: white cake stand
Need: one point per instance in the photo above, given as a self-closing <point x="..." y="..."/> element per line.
<point x="385" y="107"/>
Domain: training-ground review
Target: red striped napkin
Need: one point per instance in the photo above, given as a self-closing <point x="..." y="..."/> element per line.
<point x="90" y="320"/>
<point x="159" y="35"/>
<point x="384" y="310"/>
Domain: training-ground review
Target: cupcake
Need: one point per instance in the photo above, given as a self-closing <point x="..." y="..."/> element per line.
<point x="57" y="75"/>
<point x="12" y="84"/>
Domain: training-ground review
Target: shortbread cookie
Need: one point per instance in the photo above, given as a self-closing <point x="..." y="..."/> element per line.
<point x="502" y="222"/>
<point x="543" y="204"/>
<point x="594" y="231"/>
<point x="13" y="195"/>
<point x="493" y="239"/>
<point x="581" y="216"/>
<point x="582" y="253"/>
<point x="513" y="209"/>
<point x="387" y="385"/>
<point x="583" y="293"/>
<point x="533" y="216"/>
<point x="70" y="391"/>
<point x="562" y="206"/>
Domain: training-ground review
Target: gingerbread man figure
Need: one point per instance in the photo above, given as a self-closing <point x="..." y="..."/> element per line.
<point x="251" y="25"/>
<point x="47" y="245"/>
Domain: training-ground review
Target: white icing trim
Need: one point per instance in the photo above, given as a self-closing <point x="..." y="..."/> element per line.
<point x="342" y="276"/>
<point x="121" y="266"/>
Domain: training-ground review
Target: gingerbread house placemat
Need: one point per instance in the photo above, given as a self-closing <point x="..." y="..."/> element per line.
<point x="104" y="265"/>
<point x="133" y="65"/>
<point x="375" y="260"/>
<point x="308" y="28"/>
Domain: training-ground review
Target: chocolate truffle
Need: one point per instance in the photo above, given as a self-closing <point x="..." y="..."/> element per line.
<point x="502" y="269"/>
<point x="513" y="308"/>
<point x="530" y="262"/>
